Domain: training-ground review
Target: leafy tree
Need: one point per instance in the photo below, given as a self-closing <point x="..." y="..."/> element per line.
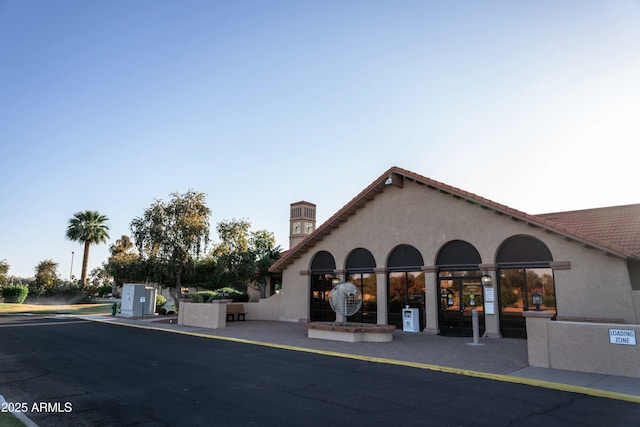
<point x="234" y="236"/>
<point x="123" y="246"/>
<point x="244" y="256"/>
<point x="232" y="253"/>
<point x="124" y="264"/>
<point x="88" y="227"/>
<point x="204" y="273"/>
<point x="172" y="236"/>
<point x="264" y="253"/>
<point x="46" y="279"/>
<point x="100" y="276"/>
<point x="4" y="270"/>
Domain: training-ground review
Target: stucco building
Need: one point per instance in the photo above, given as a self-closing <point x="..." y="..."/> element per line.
<point x="409" y="240"/>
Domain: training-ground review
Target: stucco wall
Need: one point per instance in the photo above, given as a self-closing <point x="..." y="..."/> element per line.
<point x="596" y="284"/>
<point x="583" y="347"/>
<point x="294" y="302"/>
<point x="205" y="315"/>
<point x="264" y="309"/>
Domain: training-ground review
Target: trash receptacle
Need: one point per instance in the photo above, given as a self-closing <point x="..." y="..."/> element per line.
<point x="410" y="319"/>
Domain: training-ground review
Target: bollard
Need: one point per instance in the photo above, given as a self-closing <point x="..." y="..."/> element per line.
<point x="475" y="325"/>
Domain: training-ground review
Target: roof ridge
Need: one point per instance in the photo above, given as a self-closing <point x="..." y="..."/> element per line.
<point x="536" y="220"/>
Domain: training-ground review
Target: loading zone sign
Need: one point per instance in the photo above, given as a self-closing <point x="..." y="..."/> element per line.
<point x="622" y="336"/>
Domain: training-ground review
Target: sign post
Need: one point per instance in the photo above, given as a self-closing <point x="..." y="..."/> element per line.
<point x="142" y="301"/>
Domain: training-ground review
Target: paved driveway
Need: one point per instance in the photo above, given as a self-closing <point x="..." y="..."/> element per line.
<point x="82" y="373"/>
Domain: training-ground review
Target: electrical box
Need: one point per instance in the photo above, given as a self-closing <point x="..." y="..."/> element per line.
<point x="410" y="319"/>
<point x="137" y="300"/>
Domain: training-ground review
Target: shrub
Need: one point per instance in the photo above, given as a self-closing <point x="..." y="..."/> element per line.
<point x="15" y="294"/>
<point x="106" y="289"/>
<point x="197" y="298"/>
<point x="207" y="296"/>
<point x="230" y="293"/>
<point x="549" y="300"/>
<point x="160" y="301"/>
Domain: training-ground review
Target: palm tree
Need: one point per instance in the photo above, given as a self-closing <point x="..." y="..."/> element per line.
<point x="88" y="227"/>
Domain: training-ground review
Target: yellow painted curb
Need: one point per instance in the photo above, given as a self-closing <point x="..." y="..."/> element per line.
<point x="466" y="372"/>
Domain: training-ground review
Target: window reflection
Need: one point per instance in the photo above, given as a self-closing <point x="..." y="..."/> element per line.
<point x="405" y="288"/>
<point x="321" y="285"/>
<point x="516" y="288"/>
<point x="367" y="284"/>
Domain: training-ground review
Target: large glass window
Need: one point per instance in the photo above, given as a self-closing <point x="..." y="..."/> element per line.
<point x="517" y="289"/>
<point x="523" y="272"/>
<point x="321" y="285"/>
<point x="367" y="284"/>
<point x="405" y="288"/>
<point x="360" y="265"/>
<point x="322" y="275"/>
<point x="406" y="284"/>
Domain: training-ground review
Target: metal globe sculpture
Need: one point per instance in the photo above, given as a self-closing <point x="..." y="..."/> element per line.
<point x="345" y="299"/>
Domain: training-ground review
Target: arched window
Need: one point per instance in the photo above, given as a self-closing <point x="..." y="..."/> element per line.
<point x="359" y="271"/>
<point x="523" y="250"/>
<point x="360" y="259"/>
<point x="405" y="258"/>
<point x="322" y="275"/>
<point x="406" y="285"/>
<point x="322" y="262"/>
<point x="458" y="255"/>
<point x="460" y="291"/>
<point x="523" y="272"/>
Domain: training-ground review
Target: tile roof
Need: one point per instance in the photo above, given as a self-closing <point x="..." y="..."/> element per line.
<point x="626" y="243"/>
<point x="619" y="225"/>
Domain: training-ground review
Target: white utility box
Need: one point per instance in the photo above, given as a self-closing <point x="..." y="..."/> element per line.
<point x="137" y="300"/>
<point x="411" y="319"/>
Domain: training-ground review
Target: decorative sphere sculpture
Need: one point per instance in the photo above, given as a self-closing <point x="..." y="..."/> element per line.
<point x="345" y="299"/>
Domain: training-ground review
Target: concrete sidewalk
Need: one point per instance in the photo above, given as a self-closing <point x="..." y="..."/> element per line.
<point x="499" y="359"/>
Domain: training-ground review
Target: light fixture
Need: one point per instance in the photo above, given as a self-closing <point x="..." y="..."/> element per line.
<point x="536" y="299"/>
<point x="485" y="279"/>
<point x="388" y="181"/>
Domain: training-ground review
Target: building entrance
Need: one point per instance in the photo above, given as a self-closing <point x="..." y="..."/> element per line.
<point x="459" y="296"/>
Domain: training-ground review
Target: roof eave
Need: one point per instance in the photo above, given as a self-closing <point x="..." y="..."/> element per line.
<point x="390" y="177"/>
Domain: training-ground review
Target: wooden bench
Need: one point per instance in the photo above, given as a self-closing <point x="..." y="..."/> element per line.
<point x="235" y="311"/>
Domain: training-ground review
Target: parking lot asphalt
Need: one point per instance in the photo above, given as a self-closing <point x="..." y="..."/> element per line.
<point x="498" y="359"/>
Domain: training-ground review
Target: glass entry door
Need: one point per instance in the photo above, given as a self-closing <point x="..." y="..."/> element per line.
<point x="459" y="296"/>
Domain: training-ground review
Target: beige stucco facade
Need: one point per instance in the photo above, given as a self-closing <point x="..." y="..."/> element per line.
<point x="589" y="281"/>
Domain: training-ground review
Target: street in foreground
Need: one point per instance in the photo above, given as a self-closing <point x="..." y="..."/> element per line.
<point x="71" y="372"/>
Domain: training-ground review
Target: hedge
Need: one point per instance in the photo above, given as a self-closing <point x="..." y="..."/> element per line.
<point x="15" y="294"/>
<point x="224" y="293"/>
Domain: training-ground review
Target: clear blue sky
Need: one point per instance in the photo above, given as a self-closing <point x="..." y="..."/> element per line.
<point x="109" y="105"/>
